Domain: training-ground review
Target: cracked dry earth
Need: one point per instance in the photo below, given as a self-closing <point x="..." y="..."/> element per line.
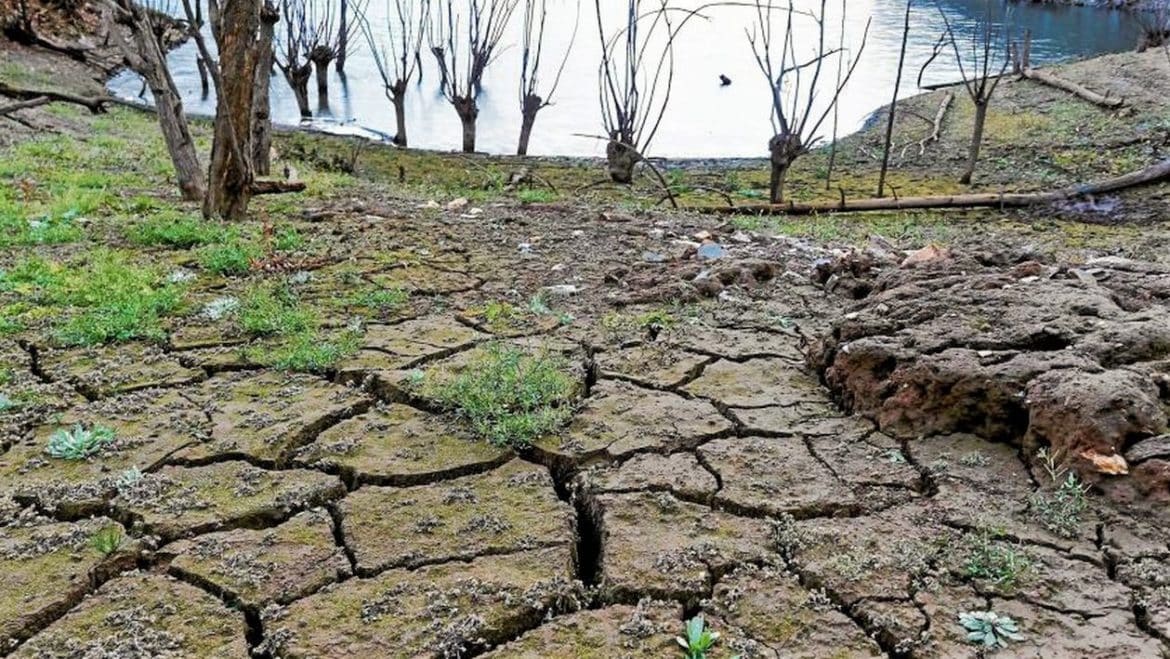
<point x="705" y="469"/>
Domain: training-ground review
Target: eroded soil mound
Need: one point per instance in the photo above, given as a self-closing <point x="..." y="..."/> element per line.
<point x="1067" y="358"/>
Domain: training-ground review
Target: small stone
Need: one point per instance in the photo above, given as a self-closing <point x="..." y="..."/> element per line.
<point x="457" y="204"/>
<point x="711" y="251"/>
<point x="653" y="257"/>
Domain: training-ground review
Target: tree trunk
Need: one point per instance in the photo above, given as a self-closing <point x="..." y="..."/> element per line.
<point x="236" y="26"/>
<point x="343" y="37"/>
<point x="297" y="78"/>
<point x="976" y="141"/>
<point x="621" y="158"/>
<point x="398" y="100"/>
<point x="261" y="110"/>
<point x="468" y="112"/>
<point x="321" y="64"/>
<point x="528" y="109"/>
<point x="783" y="148"/>
<point x="147" y="58"/>
<point x="204" y="85"/>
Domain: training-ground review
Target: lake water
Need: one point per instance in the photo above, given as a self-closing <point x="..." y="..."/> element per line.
<point x="704" y="119"/>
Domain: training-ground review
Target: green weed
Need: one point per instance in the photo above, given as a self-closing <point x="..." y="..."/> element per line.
<point x="1000" y="563"/>
<point x="508" y="396"/>
<point x="989" y="629"/>
<point x="230" y="258"/>
<point x="1060" y="510"/>
<point x="107" y="540"/>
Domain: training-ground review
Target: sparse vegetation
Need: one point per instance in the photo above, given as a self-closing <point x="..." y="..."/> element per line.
<point x="232" y="257"/>
<point x="509" y="396"/>
<point x="79" y="442"/>
<point x="989" y="629"/>
<point x="1061" y="506"/>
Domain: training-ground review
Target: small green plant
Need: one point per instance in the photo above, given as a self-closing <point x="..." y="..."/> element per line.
<point x="1003" y="564"/>
<point x="78" y="443"/>
<point x="129" y="478"/>
<point x="107" y="540"/>
<point x="699" y="639"/>
<point x="509" y="396"/>
<point x="1060" y="510"/>
<point x="989" y="629"/>
<point x="6" y="403"/>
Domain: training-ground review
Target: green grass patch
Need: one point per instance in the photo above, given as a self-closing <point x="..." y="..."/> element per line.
<point x="178" y="230"/>
<point x="382" y="300"/>
<point x="507" y="395"/>
<point x="230" y="258"/>
<point x="536" y="196"/>
<point x="272" y="310"/>
<point x="105" y="298"/>
<point x="307" y="351"/>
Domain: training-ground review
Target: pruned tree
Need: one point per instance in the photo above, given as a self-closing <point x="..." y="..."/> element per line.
<point x="293" y="41"/>
<point x="142" y="43"/>
<point x="396" y="55"/>
<point x="468" y="34"/>
<point x="887" y="141"/>
<point x="634" y="82"/>
<point x="796" y="83"/>
<point x="981" y="69"/>
<point x="532" y="100"/>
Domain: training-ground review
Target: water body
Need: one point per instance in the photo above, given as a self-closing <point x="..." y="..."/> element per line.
<point x="705" y="119"/>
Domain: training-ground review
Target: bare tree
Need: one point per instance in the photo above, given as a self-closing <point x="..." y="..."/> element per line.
<point x="634" y="82"/>
<point x="469" y="36"/>
<point x="532" y="51"/>
<point x="293" y="40"/>
<point x="796" y="121"/>
<point x="889" y="137"/>
<point x="343" y="37"/>
<point x="988" y="50"/>
<point x="396" y="56"/>
<point x="145" y="53"/>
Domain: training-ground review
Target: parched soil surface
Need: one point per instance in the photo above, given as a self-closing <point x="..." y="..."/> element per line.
<point x="711" y="463"/>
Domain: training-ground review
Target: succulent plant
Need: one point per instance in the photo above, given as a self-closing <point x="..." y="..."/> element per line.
<point x="78" y="443"/>
<point x="989" y="629"/>
<point x="699" y="638"/>
<point x="129" y="478"/>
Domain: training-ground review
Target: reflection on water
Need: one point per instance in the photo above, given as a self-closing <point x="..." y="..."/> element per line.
<point x="704" y="119"/>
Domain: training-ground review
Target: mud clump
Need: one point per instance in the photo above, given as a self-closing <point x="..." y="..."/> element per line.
<point x="1069" y="359"/>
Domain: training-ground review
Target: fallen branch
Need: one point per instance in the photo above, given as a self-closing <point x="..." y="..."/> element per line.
<point x="939" y="116"/>
<point x="1023" y="67"/>
<point x="273" y="186"/>
<point x="1154" y="173"/>
<point x="95" y="104"/>
<point x="24" y="105"/>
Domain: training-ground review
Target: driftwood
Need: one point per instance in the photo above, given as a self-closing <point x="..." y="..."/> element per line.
<point x="1154" y="173"/>
<point x="24" y="105"/>
<point x="95" y="104"/>
<point x="1022" y="65"/>
<point x="274" y="186"/>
